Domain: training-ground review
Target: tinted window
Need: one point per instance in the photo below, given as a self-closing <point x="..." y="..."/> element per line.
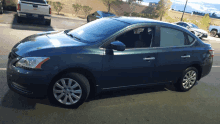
<point x="37" y="1"/>
<point x="105" y="14"/>
<point x="181" y="24"/>
<point x="194" y="26"/>
<point x="191" y="39"/>
<point x="98" y="30"/>
<point x="96" y="14"/>
<point x="171" y="37"/>
<point x="137" y="38"/>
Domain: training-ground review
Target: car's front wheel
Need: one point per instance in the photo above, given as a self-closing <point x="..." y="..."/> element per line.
<point x="213" y="33"/>
<point x="188" y="79"/>
<point x="71" y="90"/>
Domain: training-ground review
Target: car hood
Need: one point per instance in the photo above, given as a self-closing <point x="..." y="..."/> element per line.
<point x="46" y="40"/>
<point x="200" y="30"/>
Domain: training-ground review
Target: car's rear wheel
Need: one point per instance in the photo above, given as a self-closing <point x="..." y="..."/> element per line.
<point x="219" y="35"/>
<point x="71" y="90"/>
<point x="213" y="33"/>
<point x="188" y="79"/>
<point x="1" y="12"/>
<point x="48" y="22"/>
<point x="19" y="19"/>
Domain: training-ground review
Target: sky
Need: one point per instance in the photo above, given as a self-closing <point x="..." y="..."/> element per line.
<point x="206" y="6"/>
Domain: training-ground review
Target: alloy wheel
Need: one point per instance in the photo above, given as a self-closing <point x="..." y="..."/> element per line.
<point x="189" y="79"/>
<point x="67" y="91"/>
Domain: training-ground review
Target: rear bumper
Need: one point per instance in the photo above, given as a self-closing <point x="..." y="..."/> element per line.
<point x="33" y="16"/>
<point x="207" y="66"/>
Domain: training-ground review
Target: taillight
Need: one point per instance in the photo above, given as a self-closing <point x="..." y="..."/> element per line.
<point x="50" y="11"/>
<point x="211" y="52"/>
<point x="19" y="7"/>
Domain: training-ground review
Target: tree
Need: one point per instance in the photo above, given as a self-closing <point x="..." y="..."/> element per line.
<point x="214" y="15"/>
<point x="205" y="21"/>
<point x="77" y="7"/>
<point x="108" y="3"/>
<point x="58" y="6"/>
<point x="86" y="10"/>
<point x="151" y="12"/>
<point x="163" y="6"/>
<point x="132" y="5"/>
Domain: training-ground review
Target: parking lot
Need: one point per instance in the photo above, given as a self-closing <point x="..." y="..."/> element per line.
<point x="151" y="104"/>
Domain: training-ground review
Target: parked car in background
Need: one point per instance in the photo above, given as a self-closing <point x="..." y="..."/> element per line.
<point x="9" y="4"/>
<point x="108" y="53"/>
<point x="34" y="9"/>
<point x="194" y="29"/>
<point x="1" y="7"/>
<point x="98" y="15"/>
<point x="214" y="30"/>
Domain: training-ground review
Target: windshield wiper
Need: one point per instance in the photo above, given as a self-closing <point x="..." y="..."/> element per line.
<point x="73" y="36"/>
<point x="66" y="32"/>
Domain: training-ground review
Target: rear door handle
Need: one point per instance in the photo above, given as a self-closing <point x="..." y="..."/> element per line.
<point x="147" y="59"/>
<point x="186" y="56"/>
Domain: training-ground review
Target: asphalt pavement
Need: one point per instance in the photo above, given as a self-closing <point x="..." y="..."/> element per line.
<point x="146" y="105"/>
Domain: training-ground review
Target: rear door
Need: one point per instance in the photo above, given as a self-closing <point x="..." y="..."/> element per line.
<point x="175" y="54"/>
<point x="35" y="7"/>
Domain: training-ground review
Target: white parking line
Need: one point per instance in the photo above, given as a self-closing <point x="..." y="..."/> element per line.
<point x="5" y="68"/>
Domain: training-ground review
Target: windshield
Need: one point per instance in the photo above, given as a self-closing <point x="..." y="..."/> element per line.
<point x="193" y="26"/>
<point x="37" y="1"/>
<point x="98" y="30"/>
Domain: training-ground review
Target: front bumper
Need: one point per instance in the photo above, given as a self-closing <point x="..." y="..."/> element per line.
<point x="30" y="83"/>
<point x="33" y="16"/>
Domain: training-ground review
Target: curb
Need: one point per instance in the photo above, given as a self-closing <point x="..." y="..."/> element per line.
<point x="57" y="16"/>
<point x="28" y="27"/>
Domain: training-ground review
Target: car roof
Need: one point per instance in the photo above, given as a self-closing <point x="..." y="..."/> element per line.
<point x="136" y="20"/>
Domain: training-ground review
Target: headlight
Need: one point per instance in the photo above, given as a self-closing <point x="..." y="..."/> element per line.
<point x="32" y="62"/>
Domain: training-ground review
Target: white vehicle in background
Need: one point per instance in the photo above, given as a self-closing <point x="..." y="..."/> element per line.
<point x="34" y="9"/>
<point x="214" y="30"/>
<point x="194" y="29"/>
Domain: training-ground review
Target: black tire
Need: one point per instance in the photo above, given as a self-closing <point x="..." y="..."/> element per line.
<point x="48" y="22"/>
<point x="213" y="33"/>
<point x="1" y="11"/>
<point x="88" y="20"/>
<point x="82" y="82"/>
<point x="219" y="35"/>
<point x="18" y="19"/>
<point x="179" y="84"/>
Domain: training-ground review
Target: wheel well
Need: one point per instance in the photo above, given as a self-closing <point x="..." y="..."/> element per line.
<point x="214" y="30"/>
<point x="85" y="72"/>
<point x="199" y="68"/>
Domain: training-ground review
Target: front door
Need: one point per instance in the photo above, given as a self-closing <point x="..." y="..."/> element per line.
<point x="131" y="67"/>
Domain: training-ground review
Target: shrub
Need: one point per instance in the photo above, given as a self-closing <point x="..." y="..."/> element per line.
<point x="77" y="7"/>
<point x="86" y="10"/>
<point x="58" y="6"/>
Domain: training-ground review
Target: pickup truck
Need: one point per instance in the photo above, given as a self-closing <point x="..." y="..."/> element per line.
<point x="214" y="30"/>
<point x="34" y="9"/>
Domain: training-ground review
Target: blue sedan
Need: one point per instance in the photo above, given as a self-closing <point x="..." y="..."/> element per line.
<point x="108" y="53"/>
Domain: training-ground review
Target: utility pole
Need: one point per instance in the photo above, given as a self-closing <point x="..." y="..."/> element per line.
<point x="184" y="10"/>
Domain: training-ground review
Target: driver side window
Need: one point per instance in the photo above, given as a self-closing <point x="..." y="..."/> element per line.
<point x="137" y="38"/>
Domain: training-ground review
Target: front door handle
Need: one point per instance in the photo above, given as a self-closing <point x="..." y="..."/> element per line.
<point x="186" y="56"/>
<point x="147" y="59"/>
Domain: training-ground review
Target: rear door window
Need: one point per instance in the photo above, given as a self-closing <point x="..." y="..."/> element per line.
<point x="171" y="37"/>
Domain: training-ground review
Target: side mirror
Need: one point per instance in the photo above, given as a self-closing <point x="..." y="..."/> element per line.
<point x="117" y="45"/>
